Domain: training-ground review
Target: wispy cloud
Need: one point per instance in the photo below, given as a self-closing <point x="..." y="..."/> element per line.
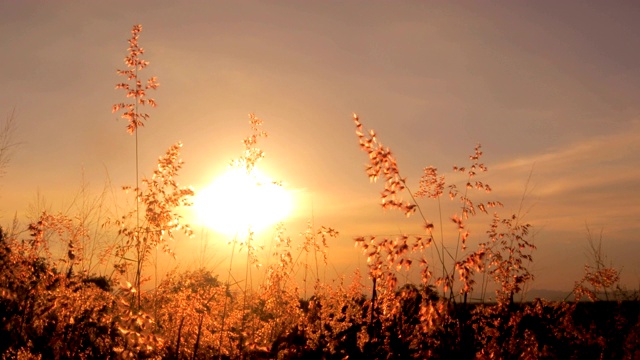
<point x="596" y="179"/>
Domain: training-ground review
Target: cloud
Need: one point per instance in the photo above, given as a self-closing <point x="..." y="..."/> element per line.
<point x="596" y="179"/>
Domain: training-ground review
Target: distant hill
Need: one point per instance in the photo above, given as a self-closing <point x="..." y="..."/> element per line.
<point x="550" y="295"/>
<point x="558" y="295"/>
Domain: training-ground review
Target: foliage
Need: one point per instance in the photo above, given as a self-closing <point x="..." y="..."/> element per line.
<point x="55" y="315"/>
<point x="598" y="277"/>
<point x="503" y="256"/>
<point x="160" y="198"/>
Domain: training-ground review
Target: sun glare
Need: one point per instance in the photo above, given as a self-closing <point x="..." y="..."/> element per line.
<point x="237" y="201"/>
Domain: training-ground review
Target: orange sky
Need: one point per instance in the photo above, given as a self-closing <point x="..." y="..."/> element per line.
<point x="545" y="85"/>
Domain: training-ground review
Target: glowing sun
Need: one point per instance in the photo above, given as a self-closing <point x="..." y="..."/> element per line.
<point x="237" y="201"/>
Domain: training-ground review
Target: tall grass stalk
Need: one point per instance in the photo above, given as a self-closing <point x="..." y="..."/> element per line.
<point x="135" y="89"/>
<point x="8" y="143"/>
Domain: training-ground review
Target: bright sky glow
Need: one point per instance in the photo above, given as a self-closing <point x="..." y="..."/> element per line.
<point x="237" y="201"/>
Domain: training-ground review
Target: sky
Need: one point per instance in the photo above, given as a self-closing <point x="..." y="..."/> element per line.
<point x="550" y="89"/>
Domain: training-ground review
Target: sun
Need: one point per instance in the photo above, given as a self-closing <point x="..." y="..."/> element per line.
<point x="237" y="201"/>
